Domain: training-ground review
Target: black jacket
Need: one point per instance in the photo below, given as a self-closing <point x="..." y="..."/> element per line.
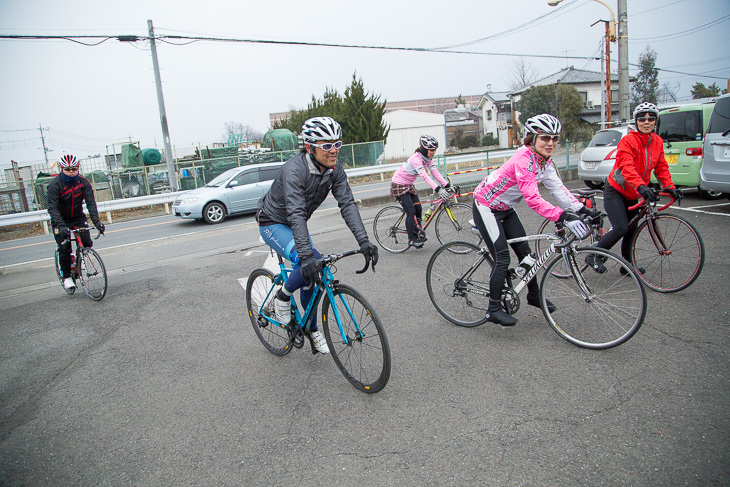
<point x="65" y="202"/>
<point x="299" y="189"/>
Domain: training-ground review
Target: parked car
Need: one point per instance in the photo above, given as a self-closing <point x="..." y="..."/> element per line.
<point x="682" y="128"/>
<point x="715" y="171"/>
<point x="237" y="190"/>
<point x="597" y="160"/>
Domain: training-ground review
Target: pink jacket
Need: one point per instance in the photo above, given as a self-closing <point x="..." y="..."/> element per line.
<point x="519" y="177"/>
<point x="416" y="165"/>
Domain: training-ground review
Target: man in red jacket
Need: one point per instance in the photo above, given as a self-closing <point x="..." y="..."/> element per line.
<point x="639" y="153"/>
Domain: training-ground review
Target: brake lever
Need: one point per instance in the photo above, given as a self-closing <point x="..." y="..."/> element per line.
<point x="367" y="265"/>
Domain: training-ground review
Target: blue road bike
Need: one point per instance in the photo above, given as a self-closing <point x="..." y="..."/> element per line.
<point x="354" y="333"/>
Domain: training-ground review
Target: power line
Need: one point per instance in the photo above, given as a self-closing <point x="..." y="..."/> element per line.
<point x="684" y="32"/>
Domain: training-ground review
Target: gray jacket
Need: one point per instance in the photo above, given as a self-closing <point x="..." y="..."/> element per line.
<point x="299" y="189"/>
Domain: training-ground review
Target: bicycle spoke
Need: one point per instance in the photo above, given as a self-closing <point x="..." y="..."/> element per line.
<point x="611" y="314"/>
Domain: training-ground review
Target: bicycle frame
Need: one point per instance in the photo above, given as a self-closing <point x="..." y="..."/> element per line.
<point x="302" y="321"/>
<point x="648" y="212"/>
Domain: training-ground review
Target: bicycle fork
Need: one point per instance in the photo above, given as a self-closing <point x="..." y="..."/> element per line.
<point x="327" y="277"/>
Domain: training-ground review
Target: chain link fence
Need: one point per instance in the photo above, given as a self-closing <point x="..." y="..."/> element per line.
<point x="28" y="189"/>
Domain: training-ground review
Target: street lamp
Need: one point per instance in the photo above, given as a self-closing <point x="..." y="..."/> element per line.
<point x="610" y="37"/>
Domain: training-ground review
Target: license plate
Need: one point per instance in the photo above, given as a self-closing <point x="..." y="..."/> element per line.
<point x="672" y="158"/>
<point x="591" y="166"/>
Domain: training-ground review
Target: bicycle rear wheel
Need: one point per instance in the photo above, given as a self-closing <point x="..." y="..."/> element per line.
<point x="260" y="303"/>
<point x="677" y="263"/>
<point x="363" y="356"/>
<point x="57" y="260"/>
<point x="593" y="310"/>
<point x="459" y="229"/>
<point x="457" y="279"/>
<point x="92" y="274"/>
<point x="390" y="231"/>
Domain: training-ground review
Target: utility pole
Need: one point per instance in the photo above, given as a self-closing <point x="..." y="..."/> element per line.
<point x="163" y="116"/>
<point x="45" y="149"/>
<point x="623" y="62"/>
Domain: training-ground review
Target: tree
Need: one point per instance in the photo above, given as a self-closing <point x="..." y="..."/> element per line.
<point x="362" y="115"/>
<point x="521" y="74"/>
<point x="236" y="132"/>
<point x="646" y="86"/>
<point x="669" y="91"/>
<point x="459" y="100"/>
<point x="562" y="101"/>
<point x="359" y="113"/>
<point x="700" y="91"/>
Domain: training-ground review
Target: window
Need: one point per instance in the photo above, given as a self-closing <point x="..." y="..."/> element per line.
<point x="680" y="126"/>
<point x="720" y="118"/>
<point x="489" y="114"/>
<point x="269" y="173"/>
<point x="247" y="177"/>
<point x="606" y="138"/>
<point x="583" y="96"/>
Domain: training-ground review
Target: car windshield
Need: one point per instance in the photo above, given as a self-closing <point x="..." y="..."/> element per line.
<point x="681" y="126"/>
<point x="222" y="178"/>
<point x="720" y="118"/>
<point x="606" y="138"/>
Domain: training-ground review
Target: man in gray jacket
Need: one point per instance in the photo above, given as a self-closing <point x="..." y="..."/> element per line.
<point x="301" y="186"/>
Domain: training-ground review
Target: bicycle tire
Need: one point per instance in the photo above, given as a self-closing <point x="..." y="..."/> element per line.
<point x="614" y="310"/>
<point x="463" y="302"/>
<point x="365" y="359"/>
<point x="389" y="227"/>
<point x="681" y="266"/>
<point x="92" y="274"/>
<point x="446" y="229"/>
<point x="57" y="260"/>
<point x="260" y="292"/>
<point x="549" y="227"/>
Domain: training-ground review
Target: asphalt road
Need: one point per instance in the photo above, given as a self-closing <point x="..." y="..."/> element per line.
<point x="165" y="383"/>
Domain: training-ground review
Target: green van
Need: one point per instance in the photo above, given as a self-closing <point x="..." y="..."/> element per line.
<point x="682" y="127"/>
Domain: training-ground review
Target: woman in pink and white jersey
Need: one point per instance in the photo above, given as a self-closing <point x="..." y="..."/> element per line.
<point x="403" y="189"/>
<point x="497" y="220"/>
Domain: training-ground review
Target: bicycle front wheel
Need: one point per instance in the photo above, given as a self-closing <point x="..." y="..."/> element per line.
<point x="361" y="350"/>
<point x="260" y="303"/>
<point x="458" y="228"/>
<point x="390" y="231"/>
<point x="60" y="274"/>
<point x="593" y="310"/>
<point x="675" y="259"/>
<point x="92" y="274"/>
<point x="457" y="279"/>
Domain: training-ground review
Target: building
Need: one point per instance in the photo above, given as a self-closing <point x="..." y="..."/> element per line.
<point x="428" y="105"/>
<point x="406" y="127"/>
<point x="496" y="111"/>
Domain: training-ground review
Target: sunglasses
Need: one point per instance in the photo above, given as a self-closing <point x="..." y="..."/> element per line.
<point x="70" y="169"/>
<point x="548" y="138"/>
<point x="646" y="119"/>
<point x="328" y="146"/>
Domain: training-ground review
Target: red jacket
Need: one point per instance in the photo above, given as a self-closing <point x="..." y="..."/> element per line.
<point x="636" y="157"/>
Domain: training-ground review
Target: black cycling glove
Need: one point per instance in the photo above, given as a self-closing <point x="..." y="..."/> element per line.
<point x="309" y="270"/>
<point x="647" y="193"/>
<point x="370" y="251"/>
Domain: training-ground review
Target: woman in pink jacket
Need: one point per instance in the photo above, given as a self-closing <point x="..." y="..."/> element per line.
<point x="497" y="220"/>
<point x="403" y="189"/>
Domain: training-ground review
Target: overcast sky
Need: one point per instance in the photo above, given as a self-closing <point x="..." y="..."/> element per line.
<point x="90" y="97"/>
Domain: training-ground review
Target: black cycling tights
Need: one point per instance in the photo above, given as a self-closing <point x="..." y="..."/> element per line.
<point x="617" y="208"/>
<point x="412" y="205"/>
<point x="496" y="227"/>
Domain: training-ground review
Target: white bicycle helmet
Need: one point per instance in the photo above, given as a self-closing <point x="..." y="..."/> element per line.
<point x="69" y="161"/>
<point x="542" y="124"/>
<point x="321" y="128"/>
<point x="645" y="107"/>
<point x="428" y="142"/>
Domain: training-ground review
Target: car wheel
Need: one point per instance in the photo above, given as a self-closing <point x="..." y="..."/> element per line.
<point x="214" y="213"/>
<point x="708" y="194"/>
<point x="593" y="184"/>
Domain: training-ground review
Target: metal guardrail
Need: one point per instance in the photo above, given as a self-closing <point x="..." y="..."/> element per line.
<point x="167" y="198"/>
